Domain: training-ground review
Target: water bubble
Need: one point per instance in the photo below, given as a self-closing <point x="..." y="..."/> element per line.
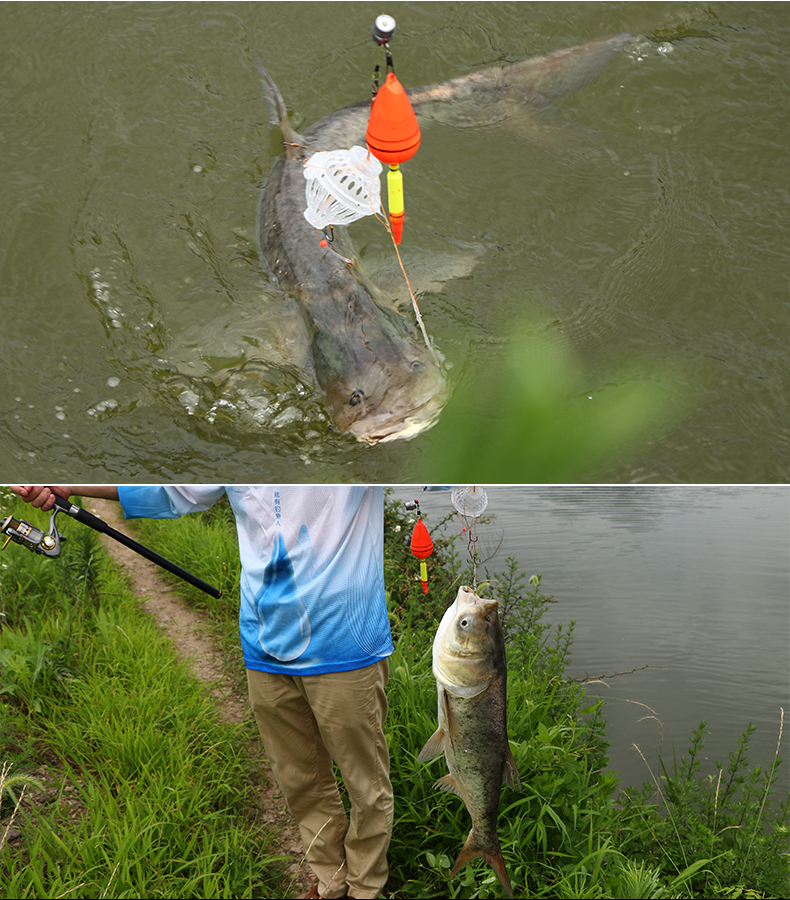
<point x="113" y="381"/>
<point x="665" y="47"/>
<point x="189" y="400"/>
<point x="101" y="289"/>
<point x="287" y="417"/>
<point x="102" y="407"/>
<point x="211" y="415"/>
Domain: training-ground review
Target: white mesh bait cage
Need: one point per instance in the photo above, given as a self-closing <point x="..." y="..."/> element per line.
<point x="342" y="186"/>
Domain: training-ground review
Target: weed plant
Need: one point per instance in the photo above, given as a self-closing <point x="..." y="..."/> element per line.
<point x="163" y="788"/>
<point x="682" y="815"/>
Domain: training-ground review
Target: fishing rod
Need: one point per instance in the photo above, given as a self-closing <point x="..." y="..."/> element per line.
<point x="49" y="543"/>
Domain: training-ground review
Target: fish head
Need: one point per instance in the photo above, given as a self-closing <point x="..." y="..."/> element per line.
<point x="387" y="396"/>
<point x="469" y="648"/>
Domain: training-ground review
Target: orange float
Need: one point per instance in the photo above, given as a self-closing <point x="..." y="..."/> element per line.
<point x="393" y="136"/>
<point x="422" y="547"/>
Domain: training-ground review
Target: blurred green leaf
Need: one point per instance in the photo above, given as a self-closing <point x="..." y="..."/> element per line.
<point x="546" y="420"/>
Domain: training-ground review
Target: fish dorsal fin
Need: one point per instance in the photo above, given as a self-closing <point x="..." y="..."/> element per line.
<point x="292" y="139"/>
<point x="434" y="746"/>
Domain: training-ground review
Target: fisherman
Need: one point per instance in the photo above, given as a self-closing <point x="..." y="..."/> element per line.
<point x="315" y="635"/>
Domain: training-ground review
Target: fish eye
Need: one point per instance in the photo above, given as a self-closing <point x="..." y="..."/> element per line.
<point x="356" y="398"/>
<point x="416" y="365"/>
<point x="464" y="623"/>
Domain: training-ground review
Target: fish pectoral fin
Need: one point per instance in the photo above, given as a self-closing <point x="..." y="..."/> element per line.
<point x="434" y="746"/>
<point x="448" y="784"/>
<point x="510" y="772"/>
<point x="428" y="271"/>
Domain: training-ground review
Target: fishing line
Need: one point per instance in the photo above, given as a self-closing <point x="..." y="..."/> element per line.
<point x="383" y="30"/>
<point x="469" y="503"/>
<point x="343" y="185"/>
<point x="413" y="296"/>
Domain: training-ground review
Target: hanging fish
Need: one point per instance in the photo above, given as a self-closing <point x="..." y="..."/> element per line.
<point x="470" y="665"/>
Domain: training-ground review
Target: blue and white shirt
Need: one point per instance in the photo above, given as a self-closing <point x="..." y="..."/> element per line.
<point x="312" y="578"/>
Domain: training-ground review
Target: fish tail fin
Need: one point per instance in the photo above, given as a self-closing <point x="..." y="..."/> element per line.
<point x="471" y="850"/>
<point x="520" y="94"/>
<point x="539" y="78"/>
<point x="560" y="72"/>
<point x="277" y="107"/>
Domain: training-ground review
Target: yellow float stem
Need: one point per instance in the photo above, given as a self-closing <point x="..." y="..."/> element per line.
<point x="395" y="191"/>
<point x="395" y="201"/>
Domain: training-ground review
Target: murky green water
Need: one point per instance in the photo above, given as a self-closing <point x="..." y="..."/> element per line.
<point x="690" y="582"/>
<point x="135" y="138"/>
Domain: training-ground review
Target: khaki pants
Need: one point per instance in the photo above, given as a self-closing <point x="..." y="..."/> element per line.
<point x="308" y="721"/>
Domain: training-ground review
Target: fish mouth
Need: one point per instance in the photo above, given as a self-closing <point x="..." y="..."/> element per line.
<point x="382" y="427"/>
<point x="398" y="433"/>
<point x="405" y="433"/>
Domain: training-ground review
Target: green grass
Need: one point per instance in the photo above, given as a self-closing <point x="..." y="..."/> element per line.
<point x="152" y="795"/>
<point x="149" y="793"/>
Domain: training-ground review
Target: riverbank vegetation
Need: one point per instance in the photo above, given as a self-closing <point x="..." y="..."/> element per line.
<point x="120" y="779"/>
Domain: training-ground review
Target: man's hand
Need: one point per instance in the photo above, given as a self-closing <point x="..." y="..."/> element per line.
<point x="41" y="496"/>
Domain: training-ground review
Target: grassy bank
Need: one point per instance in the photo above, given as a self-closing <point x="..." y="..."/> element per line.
<point x="143" y="791"/>
<point x="130" y="785"/>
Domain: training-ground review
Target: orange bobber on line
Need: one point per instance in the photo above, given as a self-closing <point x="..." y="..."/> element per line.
<point x="393" y="136"/>
<point x="422" y="547"/>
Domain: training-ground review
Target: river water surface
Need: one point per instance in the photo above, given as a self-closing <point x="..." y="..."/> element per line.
<point x="649" y="238"/>
<point x="689" y="586"/>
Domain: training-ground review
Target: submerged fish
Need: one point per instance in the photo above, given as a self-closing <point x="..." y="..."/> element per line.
<point x="380" y="379"/>
<point x="470" y="666"/>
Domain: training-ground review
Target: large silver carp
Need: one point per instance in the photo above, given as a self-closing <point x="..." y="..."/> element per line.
<point x="380" y="379"/>
<point x="470" y="666"/>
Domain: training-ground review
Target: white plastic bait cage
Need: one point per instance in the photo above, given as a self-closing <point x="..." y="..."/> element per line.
<point x="342" y="186"/>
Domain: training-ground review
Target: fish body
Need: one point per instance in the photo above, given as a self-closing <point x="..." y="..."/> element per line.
<point x="470" y="665"/>
<point x="380" y="379"/>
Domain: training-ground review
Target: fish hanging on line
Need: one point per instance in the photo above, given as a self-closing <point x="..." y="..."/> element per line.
<point x="470" y="665"/>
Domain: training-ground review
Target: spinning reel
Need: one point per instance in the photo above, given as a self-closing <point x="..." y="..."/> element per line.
<point x="33" y="538"/>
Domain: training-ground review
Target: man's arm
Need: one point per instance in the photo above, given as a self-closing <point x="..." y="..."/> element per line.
<point x="43" y="497"/>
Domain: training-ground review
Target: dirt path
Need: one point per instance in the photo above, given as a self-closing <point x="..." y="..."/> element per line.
<point x="187" y="628"/>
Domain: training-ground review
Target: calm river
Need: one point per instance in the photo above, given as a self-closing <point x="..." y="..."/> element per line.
<point x="693" y="583"/>
<point x="643" y="244"/>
